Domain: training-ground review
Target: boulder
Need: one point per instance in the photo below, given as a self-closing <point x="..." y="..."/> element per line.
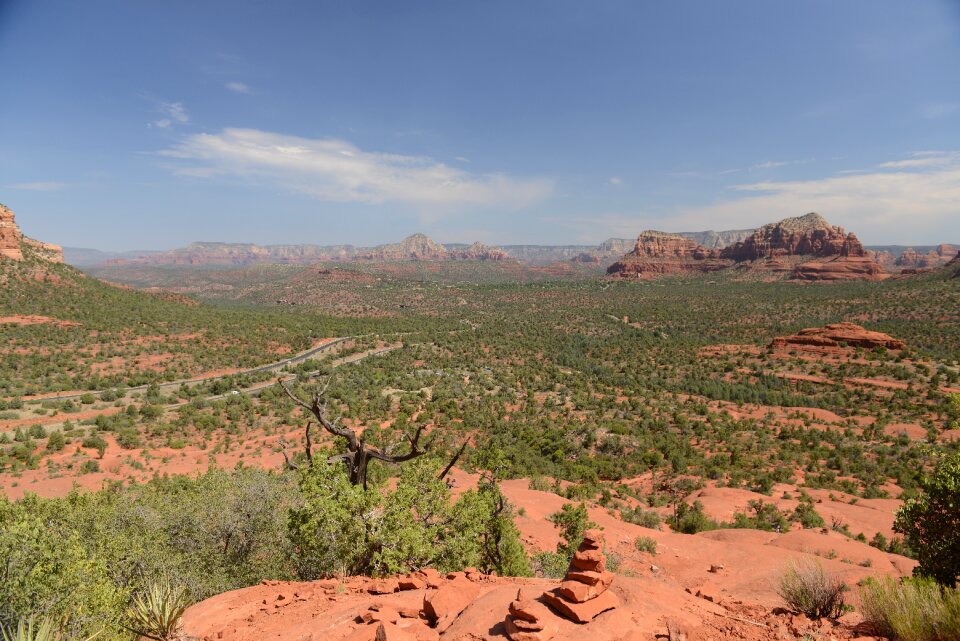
<point x="443" y="605"/>
<point x="581" y="612"/>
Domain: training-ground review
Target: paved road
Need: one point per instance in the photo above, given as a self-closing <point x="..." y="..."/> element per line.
<point x="257" y="388"/>
<point x="271" y="367"/>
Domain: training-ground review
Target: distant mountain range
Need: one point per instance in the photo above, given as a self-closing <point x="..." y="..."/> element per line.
<point x="415" y="247"/>
<point x="420" y="247"/>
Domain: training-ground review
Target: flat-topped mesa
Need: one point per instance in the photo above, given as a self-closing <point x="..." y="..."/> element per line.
<point x="656" y="253"/>
<point x="583" y="594"/>
<point x="13" y="242"/>
<point x="835" y="336"/>
<point x="808" y="235"/>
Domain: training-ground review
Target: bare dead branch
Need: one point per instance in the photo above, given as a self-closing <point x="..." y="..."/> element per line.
<point x="453" y="461"/>
<point x="286" y="456"/>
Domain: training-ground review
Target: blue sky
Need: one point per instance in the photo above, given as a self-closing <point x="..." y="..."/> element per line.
<point x="142" y="124"/>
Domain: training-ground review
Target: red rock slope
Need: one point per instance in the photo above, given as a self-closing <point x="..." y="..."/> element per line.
<point x="657" y="253"/>
<point x="12" y="240"/>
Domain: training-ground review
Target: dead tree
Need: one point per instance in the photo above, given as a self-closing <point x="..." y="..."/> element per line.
<point x="359" y="453"/>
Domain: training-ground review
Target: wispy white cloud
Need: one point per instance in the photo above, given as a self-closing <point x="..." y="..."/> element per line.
<point x="902" y="200"/>
<point x="37" y="186"/>
<point x="174" y="113"/>
<point x="935" y="110"/>
<point x="909" y="200"/>
<point x="920" y="159"/>
<point x="615" y="180"/>
<point x="238" y="87"/>
<point x="336" y="170"/>
<point x="770" y="164"/>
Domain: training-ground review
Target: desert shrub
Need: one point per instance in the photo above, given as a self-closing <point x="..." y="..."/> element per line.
<point x="97" y="442"/>
<point x="572" y="523"/>
<point x="540" y="484"/>
<point x="915" y="609"/>
<point x="129" y="438"/>
<point x="807" y="516"/>
<point x="645" y="544"/>
<point x="551" y="565"/>
<point x="50" y="574"/>
<point x="930" y="523"/>
<point x="342" y="528"/>
<point x="764" y="516"/>
<point x="643" y="518"/>
<point x="690" y="519"/>
<point x="56" y="442"/>
<point x="806" y="588"/>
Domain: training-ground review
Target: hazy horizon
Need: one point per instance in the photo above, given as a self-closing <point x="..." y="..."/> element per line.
<point x="153" y="125"/>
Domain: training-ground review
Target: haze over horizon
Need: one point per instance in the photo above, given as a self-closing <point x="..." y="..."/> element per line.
<point x="151" y="125"/>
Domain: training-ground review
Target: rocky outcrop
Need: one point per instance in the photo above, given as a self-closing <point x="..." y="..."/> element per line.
<point x="809" y="235"/>
<point x="657" y="253"/>
<point x="13" y="242"/>
<point x="840" y="268"/>
<point x="478" y="251"/>
<point x="806" y="247"/>
<point x="10" y="235"/>
<point x="415" y="247"/>
<point x="936" y="257"/>
<point x="835" y="336"/>
<point x="717" y="239"/>
<point x="883" y="257"/>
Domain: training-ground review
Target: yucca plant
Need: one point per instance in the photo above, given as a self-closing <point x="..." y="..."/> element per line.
<point x="31" y="630"/>
<point x="155" y="614"/>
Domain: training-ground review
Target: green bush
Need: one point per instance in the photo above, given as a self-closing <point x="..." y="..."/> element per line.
<point x="930" y="523"/>
<point x="690" y="519"/>
<point x="572" y="523"/>
<point x="343" y="529"/>
<point x="49" y="573"/>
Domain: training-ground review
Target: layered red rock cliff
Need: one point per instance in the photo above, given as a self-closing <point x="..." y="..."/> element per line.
<point x="807" y="247"/>
<point x="937" y="257"/>
<point x="835" y="336"/>
<point x="657" y="253"/>
<point x="13" y="242"/>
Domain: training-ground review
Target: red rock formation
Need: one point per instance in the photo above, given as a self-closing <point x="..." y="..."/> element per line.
<point x="883" y="258"/>
<point x="777" y="247"/>
<point x="912" y="259"/>
<point x="657" y="253"/>
<point x="415" y="247"/>
<point x="9" y="235"/>
<point x="478" y="251"/>
<point x="12" y="241"/>
<point x="809" y="235"/>
<point x="831" y="336"/>
<point x="840" y="268"/>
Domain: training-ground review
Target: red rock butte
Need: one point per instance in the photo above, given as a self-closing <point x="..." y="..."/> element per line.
<point x="807" y="247"/>
<point x="836" y="336"/>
